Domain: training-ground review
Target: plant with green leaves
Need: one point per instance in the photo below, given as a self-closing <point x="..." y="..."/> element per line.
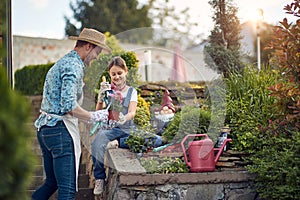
<point x="190" y="120"/>
<point x="140" y="140"/>
<point x="30" y="79"/>
<point x="222" y="53"/>
<point x="276" y="163"/>
<point x="142" y="114"/>
<point x="16" y="156"/>
<point x="276" y="159"/>
<point x="116" y="16"/>
<point x="164" y="165"/>
<point x="249" y="105"/>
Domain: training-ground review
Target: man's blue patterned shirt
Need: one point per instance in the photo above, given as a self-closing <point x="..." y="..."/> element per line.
<point x="62" y="89"/>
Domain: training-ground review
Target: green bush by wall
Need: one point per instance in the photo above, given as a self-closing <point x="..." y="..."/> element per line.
<point x="191" y="120"/>
<point x="30" y="79"/>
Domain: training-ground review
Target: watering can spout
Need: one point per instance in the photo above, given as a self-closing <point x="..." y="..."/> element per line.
<point x="221" y="149"/>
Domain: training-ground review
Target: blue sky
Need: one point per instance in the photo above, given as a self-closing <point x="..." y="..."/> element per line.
<point x="45" y="18"/>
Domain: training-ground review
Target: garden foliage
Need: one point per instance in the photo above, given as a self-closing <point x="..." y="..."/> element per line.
<point x="249" y="105"/>
<point x="16" y="156"/>
<point x="277" y="159"/>
<point x="140" y="140"/>
<point x="222" y="53"/>
<point x="165" y="165"/>
<point x="142" y="115"/>
<point x="251" y="112"/>
<point x="264" y="112"/>
<point x="190" y="120"/>
<point x="30" y="79"/>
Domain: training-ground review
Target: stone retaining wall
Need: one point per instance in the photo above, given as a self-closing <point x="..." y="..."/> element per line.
<point x="128" y="180"/>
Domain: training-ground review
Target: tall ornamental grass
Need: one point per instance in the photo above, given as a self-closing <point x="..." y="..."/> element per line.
<point x="249" y="105"/>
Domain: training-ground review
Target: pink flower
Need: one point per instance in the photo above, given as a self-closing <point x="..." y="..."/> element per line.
<point x="116" y="100"/>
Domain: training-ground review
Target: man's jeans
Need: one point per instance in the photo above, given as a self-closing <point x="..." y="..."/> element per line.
<point x="59" y="163"/>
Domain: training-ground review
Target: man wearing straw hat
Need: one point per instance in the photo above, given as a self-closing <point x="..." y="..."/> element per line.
<point x="57" y="124"/>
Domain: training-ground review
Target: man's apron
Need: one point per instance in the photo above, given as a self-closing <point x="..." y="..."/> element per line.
<point x="72" y="126"/>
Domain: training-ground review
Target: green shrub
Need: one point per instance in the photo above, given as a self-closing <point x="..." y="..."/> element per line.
<point x="30" y="79"/>
<point x="251" y="111"/>
<point x="277" y="166"/>
<point x="276" y="160"/>
<point x="249" y="105"/>
<point x="16" y="157"/>
<point x="165" y="165"/>
<point x="190" y="120"/>
<point x="142" y="115"/>
<point x="140" y="140"/>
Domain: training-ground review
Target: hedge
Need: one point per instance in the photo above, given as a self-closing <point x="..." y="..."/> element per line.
<point x="30" y="79"/>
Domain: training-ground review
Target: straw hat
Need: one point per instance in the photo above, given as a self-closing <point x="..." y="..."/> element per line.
<point x="92" y="36"/>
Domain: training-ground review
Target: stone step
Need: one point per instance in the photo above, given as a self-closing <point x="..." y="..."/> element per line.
<point x="82" y="194"/>
<point x="83" y="181"/>
<point x="85" y="193"/>
<point x="38" y="179"/>
<point x="36" y="182"/>
<point x="39" y="170"/>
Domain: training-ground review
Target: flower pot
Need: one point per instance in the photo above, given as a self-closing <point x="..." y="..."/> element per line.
<point x="113" y="115"/>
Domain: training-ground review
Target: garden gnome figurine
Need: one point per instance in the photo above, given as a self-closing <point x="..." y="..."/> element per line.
<point x="167" y="106"/>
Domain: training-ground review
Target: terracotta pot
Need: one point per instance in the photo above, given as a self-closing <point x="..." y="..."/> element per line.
<point x="113" y="115"/>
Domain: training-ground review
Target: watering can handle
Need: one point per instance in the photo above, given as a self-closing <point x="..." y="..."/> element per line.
<point x="183" y="148"/>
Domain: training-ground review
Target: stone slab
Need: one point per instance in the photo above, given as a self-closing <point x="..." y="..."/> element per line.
<point x="123" y="161"/>
<point x="185" y="178"/>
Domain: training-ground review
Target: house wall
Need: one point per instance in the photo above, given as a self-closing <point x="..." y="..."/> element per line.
<point x="32" y="51"/>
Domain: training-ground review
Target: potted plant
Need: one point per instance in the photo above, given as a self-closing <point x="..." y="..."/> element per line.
<point x="116" y="106"/>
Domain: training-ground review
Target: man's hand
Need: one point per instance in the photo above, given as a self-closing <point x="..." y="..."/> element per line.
<point x="99" y="115"/>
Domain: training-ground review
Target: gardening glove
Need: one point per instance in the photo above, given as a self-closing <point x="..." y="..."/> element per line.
<point x="122" y="119"/>
<point x="104" y="86"/>
<point x="99" y="115"/>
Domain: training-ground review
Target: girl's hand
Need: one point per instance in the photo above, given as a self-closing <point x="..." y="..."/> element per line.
<point x="122" y="119"/>
<point x="104" y="86"/>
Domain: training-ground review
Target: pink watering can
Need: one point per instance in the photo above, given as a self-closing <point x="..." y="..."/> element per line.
<point x="202" y="153"/>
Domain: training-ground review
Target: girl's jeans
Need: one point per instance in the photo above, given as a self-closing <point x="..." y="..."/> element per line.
<point x="103" y="138"/>
<point x="99" y="146"/>
<point x="59" y="163"/>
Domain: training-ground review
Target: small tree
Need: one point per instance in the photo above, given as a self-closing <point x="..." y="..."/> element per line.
<point x="222" y="54"/>
<point x="175" y="25"/>
<point x="287" y="60"/>
<point x="114" y="16"/>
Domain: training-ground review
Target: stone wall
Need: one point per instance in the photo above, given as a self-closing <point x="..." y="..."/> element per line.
<point x="128" y="180"/>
